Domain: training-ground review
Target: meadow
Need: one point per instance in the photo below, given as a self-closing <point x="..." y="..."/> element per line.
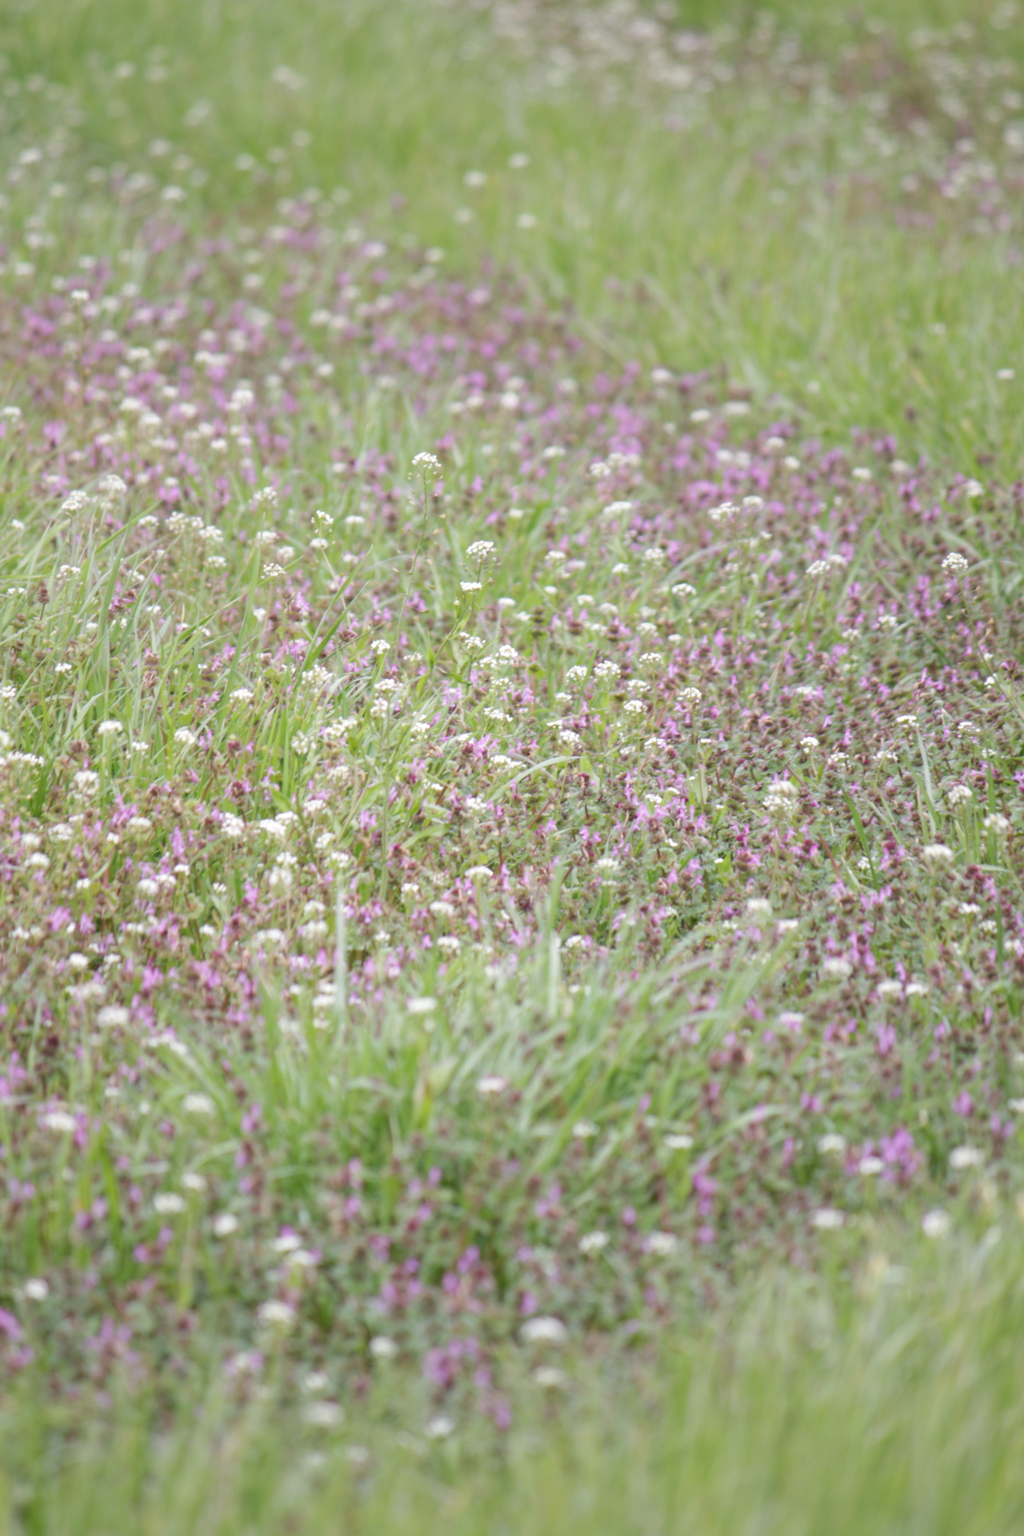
<point x="511" y="920"/>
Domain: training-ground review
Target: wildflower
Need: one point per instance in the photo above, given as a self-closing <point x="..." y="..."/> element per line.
<point x="781" y="800"/>
<point x="962" y="1158"/>
<point x="383" y="1348"/>
<point x="224" y="1224"/>
<point x="544" y="1330"/>
<point x="583" y="1130"/>
<point x="36" y="1289"/>
<point x="593" y="1242"/>
<point x="323" y="1415"/>
<point x="109" y="728"/>
<point x="955" y="563"/>
<point x="661" y="1244"/>
<point x="490" y="1087"/>
<point x="439" y="1427"/>
<point x="827" y="1220"/>
<point x="112" y="1016"/>
<point x="832" y="1144"/>
<point x="678" y="1141"/>
<point x="421" y="1005"/>
<point x="168" y="1204"/>
<point x="195" y="1183"/>
<point x="935" y="1224"/>
<point x="869" y="1166"/>
<point x="198" y="1104"/>
<point x="58" y="1120"/>
<point x="835" y="968"/>
<point x="936" y="853"/>
<point x="995" y="822"/>
<point x="959" y="795"/>
<point x="277" y="1315"/>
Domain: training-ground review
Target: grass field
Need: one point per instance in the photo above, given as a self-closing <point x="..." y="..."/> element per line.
<point x="511" y="928"/>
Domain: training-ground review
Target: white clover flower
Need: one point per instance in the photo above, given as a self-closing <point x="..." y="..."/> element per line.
<point x="835" y="968"/>
<point x="421" y="1005"/>
<point x="36" y="1289"/>
<point x="439" y="1427"/>
<point x="277" y="1315"/>
<point x="827" y="1220"/>
<point x="195" y="1183"/>
<point x="383" y="1348"/>
<point x="759" y="907"/>
<point x="593" y="1242"/>
<point x="112" y="1016"/>
<point x="184" y="737"/>
<point x="198" y="1104"/>
<point x="935" y="1224"/>
<point x="962" y="1158"/>
<point x="489" y="1087"/>
<point x="959" y="795"/>
<point x="781" y="800"/>
<point x="58" y="1120"/>
<point x="168" y="1204"/>
<point x="323" y="1415"/>
<point x="678" y="1141"/>
<point x="662" y="1244"/>
<point x="224" y="1224"/>
<point x="109" y="728"/>
<point x="831" y="1144"/>
<point x="583" y="1130"/>
<point x="995" y="822"/>
<point x="955" y="563"/>
<point x="544" y="1330"/>
<point x="936" y="853"/>
<point x="869" y="1166"/>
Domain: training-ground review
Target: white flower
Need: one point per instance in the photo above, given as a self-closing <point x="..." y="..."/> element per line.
<point x="420" y="1005"/>
<point x="544" y="1330"/>
<point x="36" y="1289"/>
<point x="832" y="1144"/>
<point x="966" y="1157"/>
<point x="828" y="1220"/>
<point x="383" y="1348"/>
<point x="959" y="794"/>
<point x="184" y="737"/>
<point x="490" y="1086"/>
<point x="662" y="1243"/>
<point x="593" y="1242"/>
<point x="955" y="563"/>
<point x="935" y="1224"/>
<point x="836" y="968"/>
<point x="996" y="823"/>
<point x="678" y="1141"/>
<point x="288" y="1242"/>
<point x="198" y="1104"/>
<point x="324" y="1415"/>
<point x="583" y="1130"/>
<point x="109" y="728"/>
<point x="58" y="1120"/>
<point x="439" y="1427"/>
<point x="869" y="1166"/>
<point x="195" y="1183"/>
<point x="224" y="1224"/>
<point x="936" y="853"/>
<point x="277" y="1315"/>
<point x="168" y="1204"/>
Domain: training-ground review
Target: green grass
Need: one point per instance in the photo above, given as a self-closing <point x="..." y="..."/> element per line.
<point x="814" y="1412"/>
<point x="755" y="239"/>
<point x="671" y="244"/>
